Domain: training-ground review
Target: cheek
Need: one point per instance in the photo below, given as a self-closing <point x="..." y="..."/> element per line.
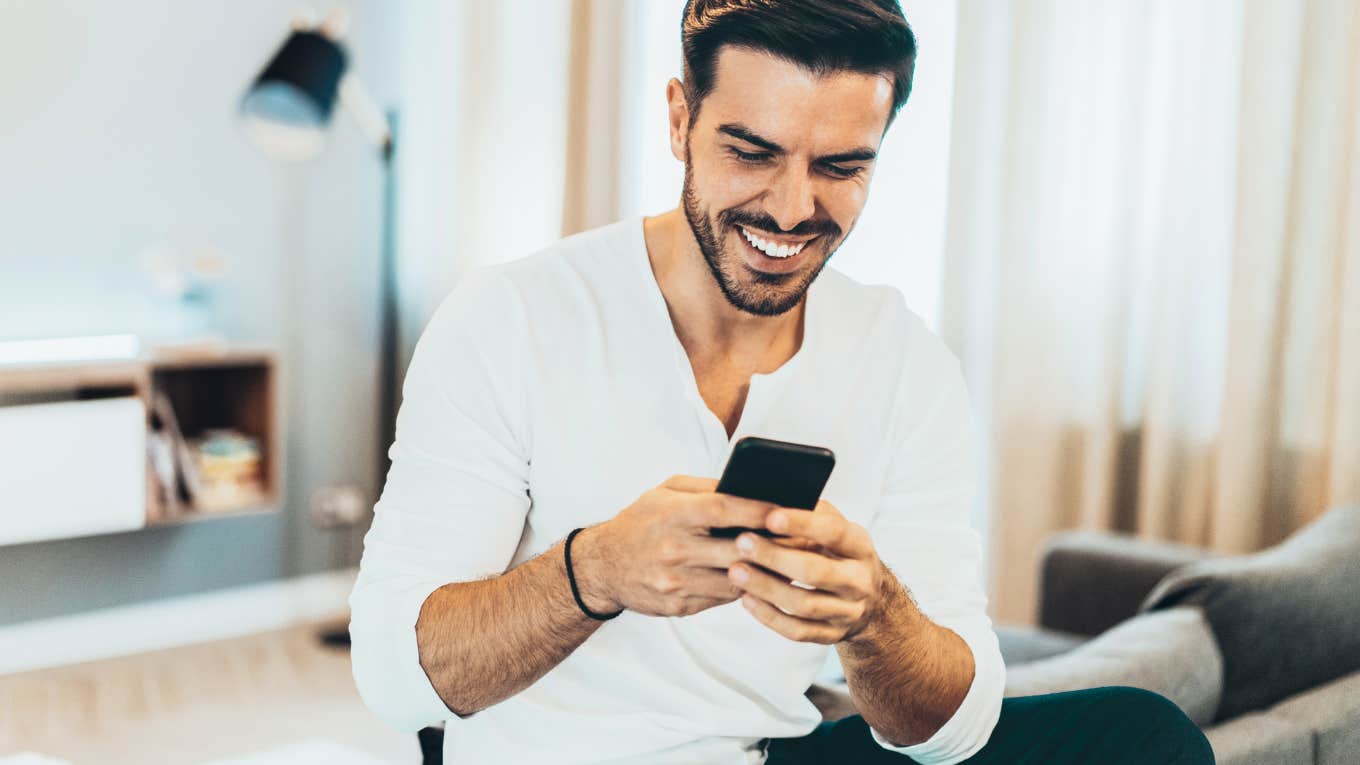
<point x="844" y="203"/>
<point x="724" y="184"/>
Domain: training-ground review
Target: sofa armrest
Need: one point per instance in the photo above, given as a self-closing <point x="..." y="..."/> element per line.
<point x="1091" y="581"/>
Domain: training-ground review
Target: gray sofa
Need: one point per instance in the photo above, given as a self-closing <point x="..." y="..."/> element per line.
<point x="1261" y="650"/>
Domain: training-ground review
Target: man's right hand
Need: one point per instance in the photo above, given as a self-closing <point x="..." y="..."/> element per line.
<point x="656" y="556"/>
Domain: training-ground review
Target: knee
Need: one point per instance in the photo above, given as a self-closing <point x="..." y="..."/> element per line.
<point x="1157" y="724"/>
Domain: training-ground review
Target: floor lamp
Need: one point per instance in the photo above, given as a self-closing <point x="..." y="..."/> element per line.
<point x="285" y="113"/>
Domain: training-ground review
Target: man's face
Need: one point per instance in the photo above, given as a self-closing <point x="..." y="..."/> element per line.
<point x="783" y="156"/>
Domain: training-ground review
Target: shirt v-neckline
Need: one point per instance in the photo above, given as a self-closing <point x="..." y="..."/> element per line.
<point x="762" y="387"/>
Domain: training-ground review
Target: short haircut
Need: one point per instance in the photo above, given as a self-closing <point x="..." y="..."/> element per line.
<point x="868" y="36"/>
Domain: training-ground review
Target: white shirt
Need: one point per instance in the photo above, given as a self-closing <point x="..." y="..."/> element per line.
<point x="549" y="393"/>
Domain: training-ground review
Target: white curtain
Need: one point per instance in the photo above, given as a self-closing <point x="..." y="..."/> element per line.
<point x="1152" y="267"/>
<point x="483" y="141"/>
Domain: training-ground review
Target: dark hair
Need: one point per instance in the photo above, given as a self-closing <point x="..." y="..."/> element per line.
<point x="869" y="36"/>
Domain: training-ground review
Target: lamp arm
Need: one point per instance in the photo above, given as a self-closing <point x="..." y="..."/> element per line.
<point x="358" y="102"/>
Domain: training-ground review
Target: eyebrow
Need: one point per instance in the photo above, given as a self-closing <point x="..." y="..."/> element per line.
<point x="741" y="132"/>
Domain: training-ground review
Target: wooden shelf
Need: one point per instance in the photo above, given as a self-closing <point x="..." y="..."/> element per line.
<point x="220" y="387"/>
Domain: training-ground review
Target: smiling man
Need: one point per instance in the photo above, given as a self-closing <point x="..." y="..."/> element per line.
<point x="540" y="574"/>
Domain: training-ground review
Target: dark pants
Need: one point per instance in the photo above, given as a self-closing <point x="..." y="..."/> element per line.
<point x="1101" y="725"/>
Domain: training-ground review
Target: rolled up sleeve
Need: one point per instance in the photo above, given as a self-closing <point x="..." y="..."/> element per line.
<point x="924" y="534"/>
<point x="456" y="496"/>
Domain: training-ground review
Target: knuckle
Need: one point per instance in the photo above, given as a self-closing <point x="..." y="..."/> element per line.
<point x="674" y="605"/>
<point x="670" y="552"/>
<point x="803" y="608"/>
<point x="718" y="504"/>
<point x="665" y="583"/>
<point x="865" y="583"/>
<point x="694" y="605"/>
<point x="654" y="495"/>
<point x="841" y="536"/>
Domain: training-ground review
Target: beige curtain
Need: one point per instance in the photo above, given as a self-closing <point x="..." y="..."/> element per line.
<point x="1152" y="268"/>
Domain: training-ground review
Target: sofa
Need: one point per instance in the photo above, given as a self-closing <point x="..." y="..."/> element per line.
<point x="1261" y="650"/>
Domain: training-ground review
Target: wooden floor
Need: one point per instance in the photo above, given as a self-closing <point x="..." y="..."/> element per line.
<point x="195" y="704"/>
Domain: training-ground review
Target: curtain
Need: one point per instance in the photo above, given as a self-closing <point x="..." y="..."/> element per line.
<point x="1152" y="269"/>
<point x="518" y="128"/>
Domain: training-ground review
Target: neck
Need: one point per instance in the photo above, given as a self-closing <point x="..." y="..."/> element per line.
<point x="710" y="328"/>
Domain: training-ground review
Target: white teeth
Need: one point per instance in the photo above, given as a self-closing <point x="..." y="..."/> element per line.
<point x="772" y="249"/>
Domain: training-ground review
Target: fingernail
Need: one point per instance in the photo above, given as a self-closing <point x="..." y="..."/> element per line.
<point x="778" y="521"/>
<point x="745" y="543"/>
<point x="739" y="575"/>
<point x="749" y="602"/>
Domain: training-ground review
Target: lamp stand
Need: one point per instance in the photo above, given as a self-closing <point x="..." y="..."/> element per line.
<point x="338" y="636"/>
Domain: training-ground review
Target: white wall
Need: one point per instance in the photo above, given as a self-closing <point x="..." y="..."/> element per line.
<point x="118" y="131"/>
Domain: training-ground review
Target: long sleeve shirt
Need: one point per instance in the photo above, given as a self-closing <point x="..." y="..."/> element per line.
<point x="550" y="392"/>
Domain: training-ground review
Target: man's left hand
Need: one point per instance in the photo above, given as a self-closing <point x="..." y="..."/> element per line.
<point x="820" y="549"/>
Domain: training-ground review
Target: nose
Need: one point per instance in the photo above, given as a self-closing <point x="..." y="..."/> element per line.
<point x="791" y="202"/>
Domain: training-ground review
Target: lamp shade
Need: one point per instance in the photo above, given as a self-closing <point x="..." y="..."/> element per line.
<point x="286" y="110"/>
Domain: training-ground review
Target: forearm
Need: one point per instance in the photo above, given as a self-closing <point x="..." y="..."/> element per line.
<point x="907" y="675"/>
<point x="482" y="642"/>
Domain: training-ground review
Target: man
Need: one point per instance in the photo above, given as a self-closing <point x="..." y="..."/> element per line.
<point x="540" y="573"/>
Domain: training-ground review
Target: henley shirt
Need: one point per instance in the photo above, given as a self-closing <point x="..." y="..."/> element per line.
<point x="550" y="392"/>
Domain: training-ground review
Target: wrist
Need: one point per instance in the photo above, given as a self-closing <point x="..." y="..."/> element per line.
<point x="889" y="603"/>
<point x="590" y="566"/>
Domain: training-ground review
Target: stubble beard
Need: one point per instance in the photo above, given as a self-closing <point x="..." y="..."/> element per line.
<point x="766" y="294"/>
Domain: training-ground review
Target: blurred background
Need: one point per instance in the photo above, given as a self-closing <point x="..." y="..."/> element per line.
<point x="1136" y="224"/>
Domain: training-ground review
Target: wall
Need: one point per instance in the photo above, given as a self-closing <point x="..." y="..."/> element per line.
<point x="118" y="131"/>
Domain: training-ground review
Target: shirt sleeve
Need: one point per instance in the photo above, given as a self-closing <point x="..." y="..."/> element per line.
<point x="456" y="496"/>
<point x="923" y="533"/>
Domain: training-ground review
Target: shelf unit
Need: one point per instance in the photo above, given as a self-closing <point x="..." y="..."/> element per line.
<point x="218" y="387"/>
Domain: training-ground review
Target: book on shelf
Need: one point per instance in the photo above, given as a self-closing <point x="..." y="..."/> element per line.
<point x="217" y="471"/>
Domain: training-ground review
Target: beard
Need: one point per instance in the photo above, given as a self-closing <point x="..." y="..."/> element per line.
<point x="747" y="289"/>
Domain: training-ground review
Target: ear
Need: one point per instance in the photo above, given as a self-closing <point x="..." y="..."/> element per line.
<point x="678" y="110"/>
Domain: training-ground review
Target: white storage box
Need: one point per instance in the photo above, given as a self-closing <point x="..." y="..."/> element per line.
<point x="71" y="469"/>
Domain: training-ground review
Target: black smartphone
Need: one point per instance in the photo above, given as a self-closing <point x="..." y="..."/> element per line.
<point x="786" y="474"/>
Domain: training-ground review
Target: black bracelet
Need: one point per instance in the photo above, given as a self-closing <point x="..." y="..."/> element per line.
<point x="575" y="592"/>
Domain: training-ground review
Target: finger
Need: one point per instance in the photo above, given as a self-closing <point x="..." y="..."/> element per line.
<point x="694" y="604"/>
<point x="797" y="543"/>
<point x="711" y="583"/>
<point x="791" y="627"/>
<point x="813" y="605"/>
<point x="716" y="511"/>
<point x="690" y="483"/>
<point x="824" y="526"/>
<point x="842" y="577"/>
<point x="711" y="552"/>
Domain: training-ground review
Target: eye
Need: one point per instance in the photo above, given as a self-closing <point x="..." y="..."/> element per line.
<point x="843" y="172"/>
<point x="752" y="157"/>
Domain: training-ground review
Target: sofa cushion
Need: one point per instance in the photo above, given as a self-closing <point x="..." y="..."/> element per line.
<point x="1025" y="644"/>
<point x="1261" y="738"/>
<point x="1332" y="712"/>
<point x="1286" y="619"/>
<point x="1171" y="652"/>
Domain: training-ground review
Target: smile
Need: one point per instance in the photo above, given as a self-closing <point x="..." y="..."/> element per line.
<point x="773" y="249"/>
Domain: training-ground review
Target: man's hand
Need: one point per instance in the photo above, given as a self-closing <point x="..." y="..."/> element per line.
<point x="826" y="552"/>
<point x="656" y="556"/>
